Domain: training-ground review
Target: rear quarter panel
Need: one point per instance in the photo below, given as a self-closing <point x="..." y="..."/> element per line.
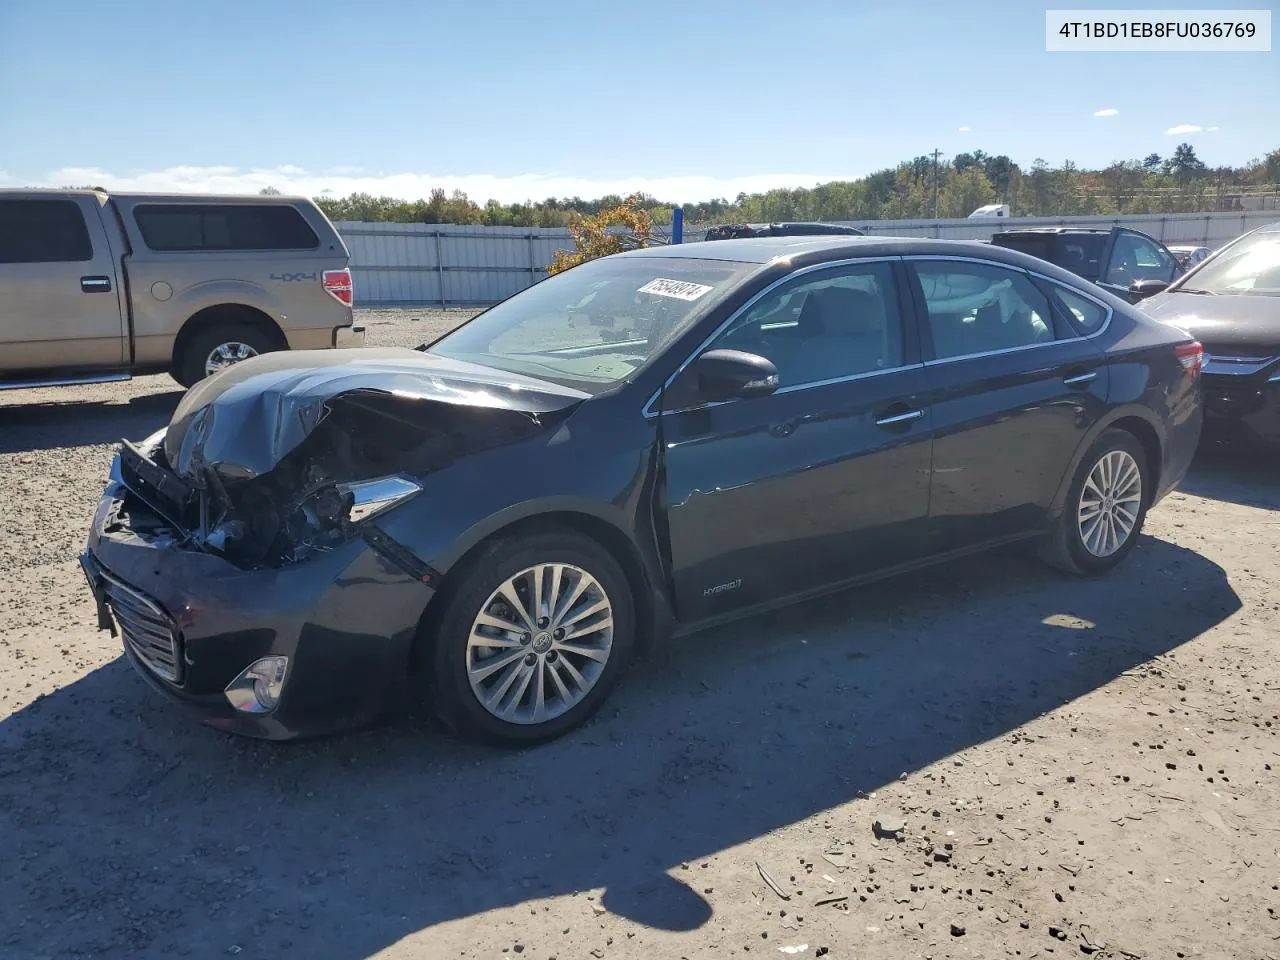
<point x="1146" y="381"/>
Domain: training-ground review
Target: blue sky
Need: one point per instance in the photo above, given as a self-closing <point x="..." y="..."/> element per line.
<point x="519" y="100"/>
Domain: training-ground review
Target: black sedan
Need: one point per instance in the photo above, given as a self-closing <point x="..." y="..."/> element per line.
<point x="493" y="524"/>
<point x="1231" y="301"/>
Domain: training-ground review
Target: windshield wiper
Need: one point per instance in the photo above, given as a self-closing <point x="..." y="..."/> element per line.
<point x="1206" y="293"/>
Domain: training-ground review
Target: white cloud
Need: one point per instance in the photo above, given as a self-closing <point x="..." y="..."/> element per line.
<point x="1106" y="112"/>
<point x="1183" y="128"/>
<point x="340" y="182"/>
<point x="1211" y="129"/>
<point x="964" y="129"/>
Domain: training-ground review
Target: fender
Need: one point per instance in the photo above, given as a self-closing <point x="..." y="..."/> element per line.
<point x="212" y="293"/>
<point x="610" y="514"/>
<point x="1128" y="411"/>
<point x="660" y="609"/>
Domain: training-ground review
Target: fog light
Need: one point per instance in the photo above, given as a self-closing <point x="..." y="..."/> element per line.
<point x="258" y="688"/>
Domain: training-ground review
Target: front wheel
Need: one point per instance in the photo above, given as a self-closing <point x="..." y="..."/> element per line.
<point x="1105" y="507"/>
<point x="530" y="640"/>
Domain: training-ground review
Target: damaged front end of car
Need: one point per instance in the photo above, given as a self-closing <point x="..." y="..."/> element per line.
<point x="244" y="553"/>
<point x="279" y="467"/>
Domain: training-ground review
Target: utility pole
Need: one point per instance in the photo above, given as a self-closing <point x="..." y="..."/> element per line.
<point x="936" y="154"/>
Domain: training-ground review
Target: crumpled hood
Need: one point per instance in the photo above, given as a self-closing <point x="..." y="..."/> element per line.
<point x="246" y="418"/>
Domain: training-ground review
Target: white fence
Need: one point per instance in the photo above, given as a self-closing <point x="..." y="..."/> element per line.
<point x="449" y="265"/>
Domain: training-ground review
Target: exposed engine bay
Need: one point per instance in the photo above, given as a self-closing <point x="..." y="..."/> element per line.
<point x="363" y="453"/>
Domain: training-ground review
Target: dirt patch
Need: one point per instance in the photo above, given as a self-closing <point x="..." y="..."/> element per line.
<point x="1068" y="766"/>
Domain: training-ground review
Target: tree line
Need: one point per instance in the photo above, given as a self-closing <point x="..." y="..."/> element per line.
<point x="922" y="188"/>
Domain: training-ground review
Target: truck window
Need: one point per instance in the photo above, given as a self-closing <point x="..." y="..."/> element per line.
<point x="180" y="226"/>
<point x="1080" y="253"/>
<point x="43" y="231"/>
<point x="1137" y="258"/>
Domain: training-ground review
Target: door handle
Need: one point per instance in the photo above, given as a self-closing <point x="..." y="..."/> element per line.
<point x="895" y="418"/>
<point x="95" y="284"/>
<point x="1077" y="379"/>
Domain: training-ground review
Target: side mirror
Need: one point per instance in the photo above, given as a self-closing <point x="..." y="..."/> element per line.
<point x="1141" y="289"/>
<point x="734" y="375"/>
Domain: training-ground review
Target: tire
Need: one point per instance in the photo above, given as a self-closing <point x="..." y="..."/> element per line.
<point x="449" y="659"/>
<point x="197" y="351"/>
<point x="1068" y="548"/>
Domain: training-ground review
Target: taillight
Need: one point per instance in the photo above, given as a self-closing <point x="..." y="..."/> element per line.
<point x="338" y="285"/>
<point x="1191" y="356"/>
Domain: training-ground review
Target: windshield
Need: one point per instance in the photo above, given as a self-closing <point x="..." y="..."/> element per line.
<point x="1250" y="268"/>
<point x="596" y="324"/>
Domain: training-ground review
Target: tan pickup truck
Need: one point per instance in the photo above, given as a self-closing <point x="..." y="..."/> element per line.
<point x="96" y="287"/>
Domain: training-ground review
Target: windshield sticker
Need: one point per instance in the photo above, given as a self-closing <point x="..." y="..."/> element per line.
<point x="675" y="289"/>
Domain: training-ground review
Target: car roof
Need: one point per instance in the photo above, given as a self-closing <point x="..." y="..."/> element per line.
<point x="767" y="249"/>
<point x="1053" y="230"/>
<point x="807" y="251"/>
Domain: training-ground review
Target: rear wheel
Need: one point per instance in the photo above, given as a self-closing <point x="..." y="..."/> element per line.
<point x="1105" y="507"/>
<point x="530" y="640"/>
<point x="218" y="347"/>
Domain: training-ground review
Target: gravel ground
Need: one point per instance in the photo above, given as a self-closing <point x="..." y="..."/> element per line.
<point x="1061" y="764"/>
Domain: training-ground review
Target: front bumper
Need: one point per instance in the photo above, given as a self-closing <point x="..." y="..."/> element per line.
<point x="346" y="337"/>
<point x="1243" y="405"/>
<point x="346" y="621"/>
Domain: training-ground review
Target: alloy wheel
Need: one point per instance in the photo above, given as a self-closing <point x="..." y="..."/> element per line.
<point x="540" y="643"/>
<point x="227" y="354"/>
<point x="1110" y="503"/>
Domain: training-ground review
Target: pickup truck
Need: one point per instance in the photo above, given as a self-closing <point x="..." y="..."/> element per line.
<point x="98" y="288"/>
<point x="1127" y="263"/>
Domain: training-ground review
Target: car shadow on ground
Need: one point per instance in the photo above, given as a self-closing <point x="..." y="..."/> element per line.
<point x="125" y="826"/>
<point x="79" y="423"/>
<point x="1240" y="472"/>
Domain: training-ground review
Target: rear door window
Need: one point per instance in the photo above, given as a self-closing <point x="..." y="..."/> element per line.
<point x="976" y="308"/>
<point x="178" y="226"/>
<point x="1086" y="315"/>
<point x="43" y="231"/>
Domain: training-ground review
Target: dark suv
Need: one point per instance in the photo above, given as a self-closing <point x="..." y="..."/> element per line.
<point x="734" y="231"/>
<point x="1125" y="262"/>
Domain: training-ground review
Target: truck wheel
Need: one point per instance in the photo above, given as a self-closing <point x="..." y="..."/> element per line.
<point x="218" y="347"/>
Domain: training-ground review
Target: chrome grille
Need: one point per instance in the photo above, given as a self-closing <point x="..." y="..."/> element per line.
<point x="146" y="628"/>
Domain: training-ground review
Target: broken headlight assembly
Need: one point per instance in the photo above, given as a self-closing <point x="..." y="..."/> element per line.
<point x="320" y="520"/>
<point x="328" y="517"/>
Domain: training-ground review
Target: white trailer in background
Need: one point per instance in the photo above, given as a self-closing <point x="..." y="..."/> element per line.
<point x="991" y="210"/>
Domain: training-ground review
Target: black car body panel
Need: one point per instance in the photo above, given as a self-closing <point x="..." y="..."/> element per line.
<point x="714" y="510"/>
<point x="1241" y="337"/>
